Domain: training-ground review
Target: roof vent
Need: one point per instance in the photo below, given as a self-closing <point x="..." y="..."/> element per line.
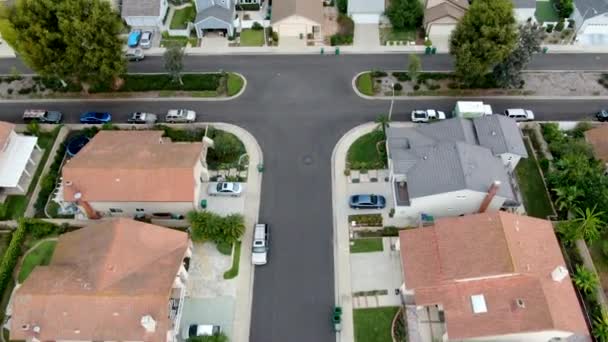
<point x="25" y="327"/>
<point x="76" y="331"/>
<point x="118" y="179"/>
<point x="479" y="304"/>
<point x="559" y="273"/>
<point x="493" y="133"/>
<point x="77" y="195"/>
<point x="68" y="183"/>
<point x="36" y="329"/>
<point x="148" y="323"/>
<point x="115" y="314"/>
<point x="520" y="303"/>
<point x="425" y="157"/>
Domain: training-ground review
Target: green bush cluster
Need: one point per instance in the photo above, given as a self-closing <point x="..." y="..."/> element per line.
<point x="402" y="76"/>
<point x="378" y="73"/>
<point x="345" y="33"/>
<point x="371" y="220"/>
<point x="564" y="8"/>
<point x="257" y="26"/>
<point x="39" y="229"/>
<point x="341" y="39"/>
<point x="248" y="7"/>
<point x="549" y="28"/>
<point x="560" y="26"/>
<point x="11" y="255"/>
<point x="182" y="135"/>
<point x="208" y="226"/>
<point x="342" y="6"/>
<point x="48" y="182"/>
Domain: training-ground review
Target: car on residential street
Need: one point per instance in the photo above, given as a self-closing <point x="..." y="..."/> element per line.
<point x="42" y="116"/>
<point x="134" y="37"/>
<point x="180" y="115"/>
<point x="225" y="189"/>
<point x="95" y="117"/>
<point x="203" y="330"/>
<point x="427" y="115"/>
<point x="146" y="40"/>
<point x="602" y="115"/>
<point x="134" y="55"/>
<point x="142" y="118"/>
<point x="259" y="253"/>
<point x="519" y="114"/>
<point x="367" y="202"/>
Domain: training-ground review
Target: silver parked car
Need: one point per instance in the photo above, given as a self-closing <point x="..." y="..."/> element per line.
<point x="180" y="115"/>
<point x="225" y="189"/>
<point x="146" y="40"/>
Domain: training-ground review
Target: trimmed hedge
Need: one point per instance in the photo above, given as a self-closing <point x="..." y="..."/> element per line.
<point x="11" y="255"/>
<point x="370" y="220"/>
<point x="192" y="82"/>
<point x="48" y="182"/>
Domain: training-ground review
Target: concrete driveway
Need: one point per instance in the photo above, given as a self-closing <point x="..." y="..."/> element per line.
<point x="367" y="36"/>
<point x="215" y="311"/>
<point x="291" y="43"/>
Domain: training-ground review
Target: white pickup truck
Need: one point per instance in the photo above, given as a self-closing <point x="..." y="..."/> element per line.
<point x="259" y="253"/>
<point x="427" y="115"/>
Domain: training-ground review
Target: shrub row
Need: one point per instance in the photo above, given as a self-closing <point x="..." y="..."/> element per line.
<point x="12" y="253"/>
<point x="341" y="39"/>
<point x="386" y="231"/>
<point x="248" y="7"/>
<point x="192" y="82"/>
<point x="48" y="182"/>
<point x="370" y="220"/>
<point x="182" y="135"/>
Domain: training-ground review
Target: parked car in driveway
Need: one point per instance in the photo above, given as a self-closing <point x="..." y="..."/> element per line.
<point x="142" y="118"/>
<point x="203" y="330"/>
<point x="134" y="55"/>
<point x="519" y="114"/>
<point x="134" y="37"/>
<point x="225" y="189"/>
<point x="146" y="40"/>
<point x="367" y="202"/>
<point x="95" y="117"/>
<point x="602" y="115"/>
<point x="427" y="115"/>
<point x="180" y="115"/>
<point x="42" y="116"/>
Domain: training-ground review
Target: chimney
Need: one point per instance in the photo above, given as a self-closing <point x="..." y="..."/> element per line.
<point x="559" y="273"/>
<point x="148" y="323"/>
<point x="489" y="197"/>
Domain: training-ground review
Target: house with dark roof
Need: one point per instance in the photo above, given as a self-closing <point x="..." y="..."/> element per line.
<point x="214" y="16"/>
<point x="441" y="18"/>
<point x="454" y="167"/>
<point x="118" y="280"/>
<point x="144" y="13"/>
<point x="488" y="277"/>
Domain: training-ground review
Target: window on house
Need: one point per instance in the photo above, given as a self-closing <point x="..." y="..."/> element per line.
<point x="140" y="210"/>
<point x="115" y="210"/>
<point x="461" y="197"/>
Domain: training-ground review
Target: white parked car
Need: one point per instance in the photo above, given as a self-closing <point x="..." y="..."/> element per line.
<point x="519" y="114"/>
<point x="225" y="189"/>
<point x="146" y="40"/>
<point x="202" y="330"/>
<point x="259" y="253"/>
<point x="426" y="115"/>
<point x="180" y="115"/>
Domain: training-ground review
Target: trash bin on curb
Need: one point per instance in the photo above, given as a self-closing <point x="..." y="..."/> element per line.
<point x="337" y="51"/>
<point x="260" y="167"/>
<point x="545" y="49"/>
<point x="204" y="204"/>
<point x="433" y="50"/>
<point x="427" y="50"/>
<point x="322" y="51"/>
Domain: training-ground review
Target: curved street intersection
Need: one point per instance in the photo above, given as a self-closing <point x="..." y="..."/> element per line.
<point x="298" y="107"/>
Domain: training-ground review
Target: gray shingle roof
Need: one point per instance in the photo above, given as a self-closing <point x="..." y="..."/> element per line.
<point x="141" y="8"/>
<point x="500" y="134"/>
<point x="216" y="11"/>
<point x="591" y="8"/>
<point x="524" y="3"/>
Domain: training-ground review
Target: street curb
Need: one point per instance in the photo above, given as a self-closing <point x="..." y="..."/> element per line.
<point x="495" y="97"/>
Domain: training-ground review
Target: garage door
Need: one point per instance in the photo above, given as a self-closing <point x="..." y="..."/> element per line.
<point x="366" y="18"/>
<point x="292" y="30"/>
<point x="440" y="35"/>
<point x="594" y="34"/>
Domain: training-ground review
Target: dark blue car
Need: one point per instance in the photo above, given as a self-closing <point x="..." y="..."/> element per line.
<point x="134" y="38"/>
<point x="367" y="202"/>
<point x="95" y="118"/>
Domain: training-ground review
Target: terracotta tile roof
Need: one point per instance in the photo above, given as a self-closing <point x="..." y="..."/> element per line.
<point x="309" y="9"/>
<point x="133" y="166"/>
<point x="101" y="281"/>
<point x="5" y="131"/>
<point x="598" y="138"/>
<point x="503" y="256"/>
<point x="447" y="8"/>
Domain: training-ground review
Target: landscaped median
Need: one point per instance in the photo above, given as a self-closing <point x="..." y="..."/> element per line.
<point x="207" y="85"/>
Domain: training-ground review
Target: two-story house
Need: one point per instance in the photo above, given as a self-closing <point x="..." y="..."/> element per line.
<point x="17" y="154"/>
<point x="134" y="173"/>
<point x="454" y="167"/>
<point x="214" y="16"/>
<point x="119" y="280"/>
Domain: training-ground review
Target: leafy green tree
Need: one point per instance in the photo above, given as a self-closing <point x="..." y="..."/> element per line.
<point x="567" y="197"/>
<point x="174" y="56"/>
<point x="383" y="122"/>
<point x="414" y="67"/>
<point x="484" y="37"/>
<point x="585" y="279"/>
<point x="564" y="8"/>
<point x="226" y="146"/>
<point x="221" y="337"/>
<point x="600" y="326"/>
<point x="33" y="128"/>
<point x="74" y="39"/>
<point x="342" y="6"/>
<point x="210" y="226"/>
<point x="508" y="73"/>
<point x="405" y="14"/>
<point x="587" y="225"/>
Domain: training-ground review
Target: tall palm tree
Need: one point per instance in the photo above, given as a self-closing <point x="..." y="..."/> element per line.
<point x="588" y="224"/>
<point x="383" y="122"/>
<point x="585" y="279"/>
<point x="567" y="197"/>
<point x="600" y="327"/>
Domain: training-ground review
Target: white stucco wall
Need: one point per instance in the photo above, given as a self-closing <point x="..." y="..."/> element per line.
<point x="128" y="208"/>
<point x="594" y="31"/>
<point x="522" y="14"/>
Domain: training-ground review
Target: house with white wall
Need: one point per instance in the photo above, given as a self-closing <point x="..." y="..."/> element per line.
<point x="591" y="22"/>
<point x="17" y="153"/>
<point x="135" y="173"/>
<point x="144" y="13"/>
<point x="214" y="17"/>
<point x="454" y="167"/>
<point x="297" y="19"/>
<point x="488" y="277"/>
<point x="117" y="280"/>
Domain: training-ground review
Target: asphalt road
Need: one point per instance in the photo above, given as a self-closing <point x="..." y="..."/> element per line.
<point x="298" y="107"/>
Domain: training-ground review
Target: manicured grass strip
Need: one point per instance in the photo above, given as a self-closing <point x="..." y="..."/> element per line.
<point x="366" y="245"/>
<point x="234" y="270"/>
<point x="251" y="37"/>
<point x="374" y="325"/>
<point x="235" y="84"/>
<point x="182" y="17"/>
<point x="13" y="207"/>
<point x="40" y="256"/>
<point x="532" y="187"/>
<point x="224" y="248"/>
<point x="363" y="153"/>
<point x="545" y="11"/>
<point x="364" y="84"/>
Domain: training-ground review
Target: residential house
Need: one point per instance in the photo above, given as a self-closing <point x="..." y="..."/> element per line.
<point x="591" y="22"/>
<point x="524" y="10"/>
<point x="454" y="167"/>
<point x="17" y="155"/>
<point x="489" y="277"/>
<point x="441" y="18"/>
<point x="134" y="173"/>
<point x="297" y="19"/>
<point x="119" y="280"/>
<point x="214" y="17"/>
<point x="144" y="13"/>
<point x="598" y="139"/>
<point x="366" y="11"/>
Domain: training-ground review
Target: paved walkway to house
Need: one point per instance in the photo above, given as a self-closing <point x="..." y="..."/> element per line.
<point x="366" y="36"/>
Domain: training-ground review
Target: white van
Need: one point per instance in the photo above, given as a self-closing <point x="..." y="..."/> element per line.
<point x="259" y="253"/>
<point x="519" y="114"/>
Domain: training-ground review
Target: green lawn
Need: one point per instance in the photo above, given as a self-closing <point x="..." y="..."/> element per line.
<point x="532" y="187"/>
<point x="224" y="248"/>
<point x="181" y="41"/>
<point x="182" y="17"/>
<point x="39" y="256"/>
<point x="388" y="34"/>
<point x="363" y="153"/>
<point x="234" y="270"/>
<point x="374" y="325"/>
<point x="251" y="37"/>
<point x="235" y="84"/>
<point x="365" y="84"/>
<point x="545" y="11"/>
<point x="366" y="245"/>
<point x="5" y="240"/>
